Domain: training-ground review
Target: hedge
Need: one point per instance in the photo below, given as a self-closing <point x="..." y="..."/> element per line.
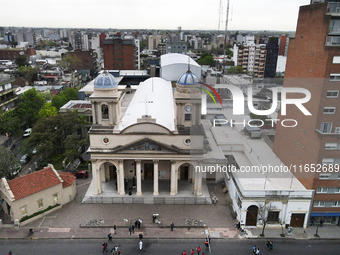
<point x="37" y="213"/>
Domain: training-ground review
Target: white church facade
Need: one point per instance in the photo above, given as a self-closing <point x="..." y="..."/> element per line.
<point x="147" y="146"/>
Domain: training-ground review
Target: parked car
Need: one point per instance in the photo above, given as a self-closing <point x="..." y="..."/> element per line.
<point x="24" y="159"/>
<point x="81" y="174"/>
<point x="16" y="169"/>
<point x="27" y="132"/>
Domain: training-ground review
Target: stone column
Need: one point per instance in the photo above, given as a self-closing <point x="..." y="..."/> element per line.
<point x="198" y="184"/>
<point x="97" y="186"/>
<point x="155" y="177"/>
<point x="139" y="177"/>
<point x="173" y="184"/>
<point x="94" y="113"/>
<point x="121" y="177"/>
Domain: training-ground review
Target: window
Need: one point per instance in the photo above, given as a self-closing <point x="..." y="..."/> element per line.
<point x="335" y="203"/>
<point x="55" y="198"/>
<point x="319" y="203"/>
<point x="324" y="176"/>
<point x="326" y="127"/>
<point x="322" y="190"/>
<point x="23" y="211"/>
<point x="336" y="60"/>
<point x="187" y="117"/>
<point x="273" y="216"/>
<point x="40" y="204"/>
<point x="105" y="111"/>
<point x="334" y="77"/>
<point x="328" y="110"/>
<point x="327" y="161"/>
<point x="337" y="190"/>
<point x="331" y="146"/>
<point x="332" y="93"/>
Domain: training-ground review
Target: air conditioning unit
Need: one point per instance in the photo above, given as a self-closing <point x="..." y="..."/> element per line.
<point x="337" y="130"/>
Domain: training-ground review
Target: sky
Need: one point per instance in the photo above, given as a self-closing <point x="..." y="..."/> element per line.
<point x="152" y="14"/>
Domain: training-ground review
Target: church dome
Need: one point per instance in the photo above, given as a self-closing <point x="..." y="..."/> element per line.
<point x="188" y="78"/>
<point x="105" y="81"/>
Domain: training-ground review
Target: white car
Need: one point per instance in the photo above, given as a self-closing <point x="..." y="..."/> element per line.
<point x="24" y="159"/>
<point x="27" y="132"/>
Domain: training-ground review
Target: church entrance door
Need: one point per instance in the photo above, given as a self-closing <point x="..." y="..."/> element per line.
<point x="148" y="171"/>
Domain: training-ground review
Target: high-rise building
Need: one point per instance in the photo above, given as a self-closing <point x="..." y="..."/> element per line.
<point x="283" y="41"/>
<point x="272" y="51"/>
<point x="251" y="57"/>
<point x="313" y="63"/>
<point x="153" y="41"/>
<point x="119" y="53"/>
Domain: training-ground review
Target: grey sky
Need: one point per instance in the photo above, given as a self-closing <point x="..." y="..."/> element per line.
<point x="152" y="14"/>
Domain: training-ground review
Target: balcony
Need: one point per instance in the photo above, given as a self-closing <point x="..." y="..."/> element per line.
<point x="334" y="30"/>
<point x="332" y="41"/>
<point x="333" y="9"/>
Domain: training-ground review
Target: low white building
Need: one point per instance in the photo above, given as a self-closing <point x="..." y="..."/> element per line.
<point x="254" y="191"/>
<point x="36" y="192"/>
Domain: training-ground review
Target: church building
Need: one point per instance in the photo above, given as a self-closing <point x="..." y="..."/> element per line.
<point x="144" y="146"/>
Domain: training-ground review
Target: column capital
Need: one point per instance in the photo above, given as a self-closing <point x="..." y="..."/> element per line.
<point x="138" y="161"/>
<point x="94" y="161"/>
<point x="120" y="160"/>
<point x="155" y="161"/>
<point x="173" y="161"/>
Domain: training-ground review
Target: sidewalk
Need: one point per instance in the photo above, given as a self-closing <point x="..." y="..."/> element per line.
<point x="325" y="232"/>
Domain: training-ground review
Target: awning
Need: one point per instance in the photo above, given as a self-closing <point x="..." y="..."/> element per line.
<point x="316" y="214"/>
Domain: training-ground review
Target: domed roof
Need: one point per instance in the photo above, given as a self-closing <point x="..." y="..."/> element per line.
<point x="105" y="81"/>
<point x="188" y="78"/>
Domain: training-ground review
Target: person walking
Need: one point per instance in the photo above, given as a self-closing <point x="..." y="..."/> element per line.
<point x="172" y="225"/>
<point x="257" y="251"/>
<point x="198" y="249"/>
<point x="138" y="224"/>
<point x="184" y="253"/>
<point x="109" y="236"/>
<point x="114" y="229"/>
<point x="192" y="252"/>
<point x="130" y="230"/>
<point x="133" y="228"/>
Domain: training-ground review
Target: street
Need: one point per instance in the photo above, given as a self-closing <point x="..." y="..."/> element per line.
<point x="167" y="247"/>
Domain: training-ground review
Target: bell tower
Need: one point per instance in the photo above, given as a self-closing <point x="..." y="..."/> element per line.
<point x="106" y="105"/>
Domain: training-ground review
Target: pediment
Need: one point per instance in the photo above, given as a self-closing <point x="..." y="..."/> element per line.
<point x="147" y="146"/>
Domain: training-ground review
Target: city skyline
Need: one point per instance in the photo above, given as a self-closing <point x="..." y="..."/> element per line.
<point x="133" y="14"/>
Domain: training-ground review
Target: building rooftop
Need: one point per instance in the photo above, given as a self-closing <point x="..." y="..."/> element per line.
<point x="154" y="97"/>
<point x="248" y="152"/>
<point x="32" y="183"/>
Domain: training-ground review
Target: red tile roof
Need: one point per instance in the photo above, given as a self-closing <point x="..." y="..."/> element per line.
<point x="68" y="179"/>
<point x="33" y="183"/>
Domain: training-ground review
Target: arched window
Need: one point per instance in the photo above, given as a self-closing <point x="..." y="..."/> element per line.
<point x="105" y="111"/>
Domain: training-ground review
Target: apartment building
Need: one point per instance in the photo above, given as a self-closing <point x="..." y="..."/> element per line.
<point x="313" y="63"/>
<point x="251" y="57"/>
<point x="120" y="53"/>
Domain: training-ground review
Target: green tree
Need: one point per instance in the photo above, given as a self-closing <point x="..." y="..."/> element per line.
<point x="9" y="123"/>
<point x="63" y="97"/>
<point x="49" y="134"/>
<point x="29" y="105"/>
<point x="21" y="60"/>
<point x="207" y="59"/>
<point x="70" y="63"/>
<point x="47" y="110"/>
<point x="235" y="69"/>
<point x="29" y="73"/>
<point x="8" y="163"/>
